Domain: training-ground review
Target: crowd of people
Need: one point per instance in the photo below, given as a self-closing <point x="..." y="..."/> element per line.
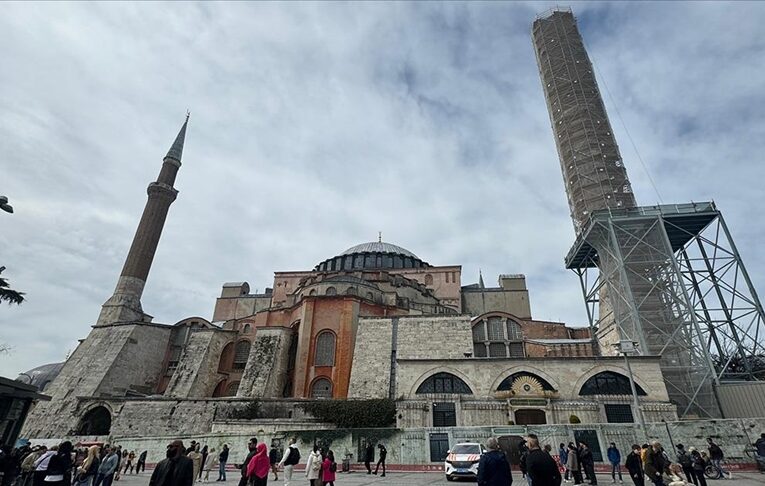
<point x="101" y="465"/>
<point x="539" y="467"/>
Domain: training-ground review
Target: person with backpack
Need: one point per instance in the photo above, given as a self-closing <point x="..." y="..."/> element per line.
<point x="328" y="469"/>
<point x="289" y="459"/>
<point x="313" y="466"/>
<point x="685" y="461"/>
<point x="493" y="468"/>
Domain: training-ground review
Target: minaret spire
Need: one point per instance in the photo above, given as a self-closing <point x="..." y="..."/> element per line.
<point x="125" y="304"/>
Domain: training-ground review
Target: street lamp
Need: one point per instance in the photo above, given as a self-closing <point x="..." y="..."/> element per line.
<point x="4" y="205"/>
<point x="625" y="347"/>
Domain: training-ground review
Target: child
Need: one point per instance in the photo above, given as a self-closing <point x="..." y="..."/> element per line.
<point x="328" y="469"/>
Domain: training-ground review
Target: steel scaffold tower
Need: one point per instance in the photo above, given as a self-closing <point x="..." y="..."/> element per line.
<point x="668" y="278"/>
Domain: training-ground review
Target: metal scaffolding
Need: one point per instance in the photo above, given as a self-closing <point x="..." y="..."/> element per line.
<point x="679" y="289"/>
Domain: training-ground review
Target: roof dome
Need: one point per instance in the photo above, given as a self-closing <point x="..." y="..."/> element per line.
<point x="378" y="247"/>
<point x="41" y="376"/>
<point x="372" y="255"/>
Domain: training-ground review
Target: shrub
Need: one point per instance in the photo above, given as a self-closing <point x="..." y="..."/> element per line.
<point x="250" y="411"/>
<point x="354" y="414"/>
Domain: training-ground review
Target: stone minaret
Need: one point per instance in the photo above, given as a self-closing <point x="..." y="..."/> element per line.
<point x="592" y="166"/>
<point x="125" y="304"/>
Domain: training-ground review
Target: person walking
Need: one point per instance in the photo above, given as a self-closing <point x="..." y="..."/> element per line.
<point x="573" y="464"/>
<point x="493" y="468"/>
<point x="273" y="459"/>
<point x="369" y="456"/>
<point x="699" y="464"/>
<point x="120" y="460"/>
<point x="587" y="462"/>
<point x="328" y="469"/>
<point x="541" y="469"/>
<point x="210" y="464"/>
<point x="41" y="466"/>
<point x="87" y="471"/>
<point x="562" y="459"/>
<point x="289" y="460"/>
<point x="129" y="462"/>
<point x="107" y="469"/>
<point x="59" y="471"/>
<point x="196" y="461"/>
<point x="655" y="464"/>
<point x="140" y="466"/>
<point x="383" y="455"/>
<point x="28" y="465"/>
<point x="175" y="470"/>
<point x="313" y="467"/>
<point x="222" y="460"/>
<point x="615" y="458"/>
<point x="205" y="452"/>
<point x="634" y="465"/>
<point x="760" y="457"/>
<point x="259" y="466"/>
<point x="716" y="456"/>
<point x="252" y="446"/>
<point x="684" y="459"/>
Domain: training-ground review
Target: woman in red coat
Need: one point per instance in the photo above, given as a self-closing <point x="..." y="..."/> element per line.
<point x="259" y="466"/>
<point x="328" y="469"/>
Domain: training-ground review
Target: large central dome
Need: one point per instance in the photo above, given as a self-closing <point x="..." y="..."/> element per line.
<point x="372" y="255"/>
<point x="378" y="247"/>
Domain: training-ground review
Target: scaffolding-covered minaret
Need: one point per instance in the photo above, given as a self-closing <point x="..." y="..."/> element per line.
<point x="593" y="171"/>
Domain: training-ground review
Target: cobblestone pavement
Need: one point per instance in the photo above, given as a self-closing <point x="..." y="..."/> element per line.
<point x="417" y="479"/>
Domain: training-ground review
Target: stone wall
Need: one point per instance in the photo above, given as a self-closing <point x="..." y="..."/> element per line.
<point x="197" y="372"/>
<point x="434" y="337"/>
<point x="411" y="446"/>
<point x="479" y="301"/>
<point x="370" y="372"/>
<point x="110" y="361"/>
<point x="265" y="374"/>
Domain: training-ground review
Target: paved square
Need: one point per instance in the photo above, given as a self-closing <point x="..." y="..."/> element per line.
<point x="416" y="479"/>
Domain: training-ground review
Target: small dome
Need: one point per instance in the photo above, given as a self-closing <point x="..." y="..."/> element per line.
<point x="41" y="376"/>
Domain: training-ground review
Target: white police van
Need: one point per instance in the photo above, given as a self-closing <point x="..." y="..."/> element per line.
<point x="462" y="460"/>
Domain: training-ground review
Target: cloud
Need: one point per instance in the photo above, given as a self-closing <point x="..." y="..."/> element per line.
<point x="314" y="126"/>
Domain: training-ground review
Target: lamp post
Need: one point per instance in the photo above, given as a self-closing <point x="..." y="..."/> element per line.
<point x="4" y="205"/>
<point x="625" y="347"/>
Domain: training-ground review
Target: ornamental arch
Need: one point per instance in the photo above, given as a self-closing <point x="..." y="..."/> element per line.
<point x="96" y="421"/>
<point x="595" y="370"/>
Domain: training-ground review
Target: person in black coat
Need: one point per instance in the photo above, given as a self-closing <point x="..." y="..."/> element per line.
<point x="60" y="466"/>
<point x="175" y="470"/>
<point x="541" y="468"/>
<point x="493" y="468"/>
<point x="588" y="462"/>
<point x="634" y="465"/>
<point x="252" y="446"/>
<point x="369" y="456"/>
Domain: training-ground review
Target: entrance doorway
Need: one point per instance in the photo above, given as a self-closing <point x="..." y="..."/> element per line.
<point x="530" y="416"/>
<point x="439" y="447"/>
<point x="509" y="445"/>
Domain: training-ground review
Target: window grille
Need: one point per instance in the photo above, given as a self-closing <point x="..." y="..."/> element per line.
<point x="609" y="383"/>
<point x="232" y="388"/>
<point x="479" y="333"/>
<point x="514" y="332"/>
<point x="241" y="354"/>
<point x="516" y="350"/>
<point x="321" y="388"/>
<point x="479" y="350"/>
<point x="495" y="329"/>
<point x="618" y="413"/>
<point x="325" y="349"/>
<point x="444" y="383"/>
<point x="331" y="291"/>
<point x="497" y="350"/>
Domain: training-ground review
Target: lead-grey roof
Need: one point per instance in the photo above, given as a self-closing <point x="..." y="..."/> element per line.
<point x="176" y="150"/>
<point x="378" y="247"/>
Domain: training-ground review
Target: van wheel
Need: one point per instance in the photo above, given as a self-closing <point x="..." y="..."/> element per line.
<point x="449" y="478"/>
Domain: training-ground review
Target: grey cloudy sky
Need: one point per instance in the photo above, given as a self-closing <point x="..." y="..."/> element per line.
<point x="314" y="126"/>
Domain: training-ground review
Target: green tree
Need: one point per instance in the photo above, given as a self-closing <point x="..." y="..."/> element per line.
<point x="7" y="294"/>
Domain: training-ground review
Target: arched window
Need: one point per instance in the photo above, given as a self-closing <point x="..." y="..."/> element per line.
<point x="220" y="389"/>
<point x="609" y="383"/>
<point x="351" y="291"/>
<point x="312" y="292"/>
<point x="241" y="354"/>
<point x="321" y="388"/>
<point x="331" y="291"/>
<point x="444" y="383"/>
<point x="497" y="337"/>
<point x="428" y="279"/>
<point x="325" y="349"/>
<point x="226" y="357"/>
<point x="97" y="421"/>
<point x="232" y="388"/>
<point x="246" y="328"/>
